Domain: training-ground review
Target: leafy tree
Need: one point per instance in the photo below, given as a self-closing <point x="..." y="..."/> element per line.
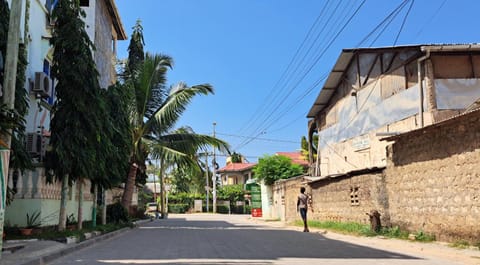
<point x="153" y="110"/>
<point x="236" y="158"/>
<point x="272" y="168"/>
<point x="304" y="145"/>
<point x="231" y="193"/>
<point x="14" y="119"/>
<point x="136" y="54"/>
<point x="77" y="128"/>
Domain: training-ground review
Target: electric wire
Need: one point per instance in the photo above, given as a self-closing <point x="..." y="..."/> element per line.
<point x="284" y="74"/>
<point x="403" y="22"/>
<point x="312" y="65"/>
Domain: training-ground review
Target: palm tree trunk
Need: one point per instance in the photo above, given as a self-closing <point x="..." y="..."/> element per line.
<point x="62" y="217"/>
<point x="80" y="204"/>
<point x="128" y="191"/>
<point x="162" y="188"/>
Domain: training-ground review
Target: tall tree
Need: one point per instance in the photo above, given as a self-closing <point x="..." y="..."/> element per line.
<point x="136" y="54"/>
<point x="156" y="109"/>
<point x="76" y="129"/>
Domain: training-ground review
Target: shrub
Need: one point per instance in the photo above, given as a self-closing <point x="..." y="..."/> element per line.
<point x="178" y="208"/>
<point x="116" y="213"/>
<point x="222" y="209"/>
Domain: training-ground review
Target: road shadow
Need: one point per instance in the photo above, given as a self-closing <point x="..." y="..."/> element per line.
<point x="178" y="238"/>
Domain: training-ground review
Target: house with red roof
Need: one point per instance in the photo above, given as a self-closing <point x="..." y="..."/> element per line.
<point x="236" y="173"/>
<point x="297" y="158"/>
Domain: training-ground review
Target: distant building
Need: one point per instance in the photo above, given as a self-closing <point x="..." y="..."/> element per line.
<point x="236" y="173"/>
<point x="297" y="158"/>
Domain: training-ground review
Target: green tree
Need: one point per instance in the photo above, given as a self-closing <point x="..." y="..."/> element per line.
<point x="14" y="119"/>
<point x="304" y="145"/>
<point x="272" y="168"/>
<point x="155" y="111"/>
<point x="231" y="193"/>
<point x="77" y="128"/>
<point x="236" y="157"/>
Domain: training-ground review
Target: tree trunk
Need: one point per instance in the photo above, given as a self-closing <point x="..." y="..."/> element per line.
<point x="94" y="205"/>
<point x="128" y="191"/>
<point x="162" y="189"/>
<point x="62" y="217"/>
<point x="104" y="206"/>
<point x="80" y="204"/>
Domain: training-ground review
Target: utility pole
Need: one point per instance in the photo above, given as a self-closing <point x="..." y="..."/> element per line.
<point x="207" y="188"/>
<point x="8" y="97"/>
<point x="214" y="177"/>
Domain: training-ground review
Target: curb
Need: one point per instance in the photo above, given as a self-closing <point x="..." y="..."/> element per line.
<point x="74" y="247"/>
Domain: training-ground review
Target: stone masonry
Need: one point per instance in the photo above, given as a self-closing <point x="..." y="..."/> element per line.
<point x="433" y="179"/>
<point x="431" y="184"/>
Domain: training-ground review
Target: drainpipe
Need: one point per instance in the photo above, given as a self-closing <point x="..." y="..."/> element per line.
<point x="420" y="85"/>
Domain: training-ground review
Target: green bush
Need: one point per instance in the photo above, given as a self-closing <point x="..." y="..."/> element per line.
<point x="248" y="209"/>
<point x="178" y="208"/>
<point x="222" y="209"/>
<point x="185" y="198"/>
<point x="116" y="213"/>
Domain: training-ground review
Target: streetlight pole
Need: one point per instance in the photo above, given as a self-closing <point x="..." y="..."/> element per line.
<point x="214" y="177"/>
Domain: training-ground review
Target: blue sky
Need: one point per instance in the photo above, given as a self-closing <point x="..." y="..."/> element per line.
<point x="251" y="51"/>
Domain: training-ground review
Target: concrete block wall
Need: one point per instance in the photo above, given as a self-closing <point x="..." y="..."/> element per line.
<point x="433" y="179"/>
<point x="349" y="198"/>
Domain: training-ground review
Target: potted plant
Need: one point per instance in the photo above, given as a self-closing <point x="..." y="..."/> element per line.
<point x="33" y="221"/>
<point x="71" y="222"/>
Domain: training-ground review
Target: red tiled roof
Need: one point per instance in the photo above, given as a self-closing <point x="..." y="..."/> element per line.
<point x="297" y="157"/>
<point x="235" y="167"/>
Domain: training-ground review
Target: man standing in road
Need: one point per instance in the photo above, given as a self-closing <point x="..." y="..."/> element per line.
<point x="302" y="207"/>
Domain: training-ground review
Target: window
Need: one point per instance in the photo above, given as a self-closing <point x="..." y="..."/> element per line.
<point x="84" y="3"/>
<point x="354" y="196"/>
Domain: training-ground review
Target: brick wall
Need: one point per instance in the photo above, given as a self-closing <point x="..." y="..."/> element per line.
<point x="433" y="179"/>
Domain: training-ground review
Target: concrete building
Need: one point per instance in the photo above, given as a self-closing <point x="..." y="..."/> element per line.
<point x="398" y="133"/>
<point x="372" y="92"/>
<point x="104" y="27"/>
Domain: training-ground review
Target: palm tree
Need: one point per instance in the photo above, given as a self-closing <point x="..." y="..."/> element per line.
<point x="154" y="110"/>
<point x="178" y="148"/>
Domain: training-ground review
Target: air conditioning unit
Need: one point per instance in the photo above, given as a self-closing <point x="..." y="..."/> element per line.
<point x="36" y="145"/>
<point x="33" y="144"/>
<point x="41" y="85"/>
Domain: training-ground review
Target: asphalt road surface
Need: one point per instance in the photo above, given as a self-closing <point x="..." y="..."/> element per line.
<point x="223" y="239"/>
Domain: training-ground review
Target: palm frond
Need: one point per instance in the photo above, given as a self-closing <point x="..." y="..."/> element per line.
<point x="149" y="84"/>
<point x="179" y="97"/>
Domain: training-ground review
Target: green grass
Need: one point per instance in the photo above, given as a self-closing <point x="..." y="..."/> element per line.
<point x="358" y="229"/>
<point x="49" y="233"/>
<point x="460" y="244"/>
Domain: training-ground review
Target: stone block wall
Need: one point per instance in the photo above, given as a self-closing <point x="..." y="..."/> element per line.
<point x="349" y="198"/>
<point x="433" y="179"/>
<point x="291" y="191"/>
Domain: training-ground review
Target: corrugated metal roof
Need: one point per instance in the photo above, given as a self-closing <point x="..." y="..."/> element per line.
<point x="346" y="174"/>
<point x="346" y="56"/>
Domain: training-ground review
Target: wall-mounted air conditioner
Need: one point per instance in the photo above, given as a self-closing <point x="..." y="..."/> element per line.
<point x="36" y="145"/>
<point x="41" y="85"/>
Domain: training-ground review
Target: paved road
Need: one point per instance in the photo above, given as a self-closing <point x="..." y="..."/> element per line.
<point x="221" y="239"/>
